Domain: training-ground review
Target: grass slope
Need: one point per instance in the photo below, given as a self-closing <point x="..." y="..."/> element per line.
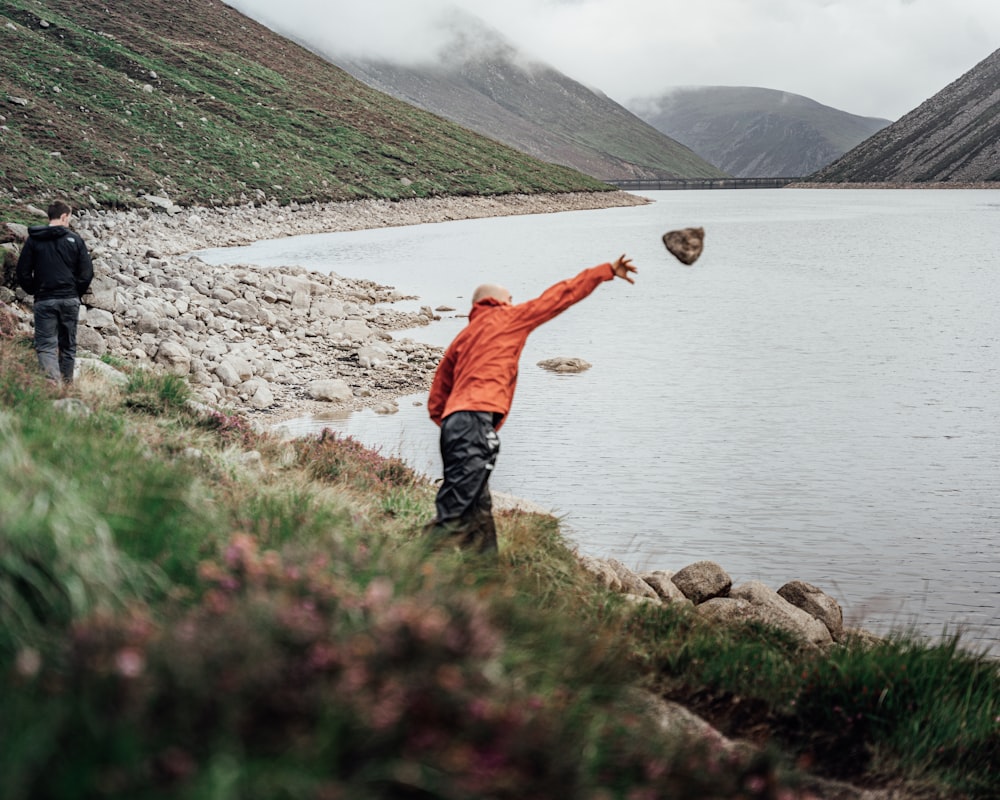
<point x="102" y="103"/>
<point x="192" y="609"/>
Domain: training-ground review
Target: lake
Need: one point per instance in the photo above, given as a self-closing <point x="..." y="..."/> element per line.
<point x="815" y="399"/>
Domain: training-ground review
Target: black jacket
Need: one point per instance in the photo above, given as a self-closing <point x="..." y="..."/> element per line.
<point x="54" y="263"/>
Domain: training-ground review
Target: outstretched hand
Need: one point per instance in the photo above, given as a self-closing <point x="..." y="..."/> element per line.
<point x="622" y="267"/>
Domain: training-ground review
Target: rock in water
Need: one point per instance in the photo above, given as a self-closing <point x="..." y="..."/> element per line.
<point x="564" y="364"/>
<point x="686" y="244"/>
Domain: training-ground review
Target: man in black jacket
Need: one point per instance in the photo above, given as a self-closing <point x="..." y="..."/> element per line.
<point x="55" y="267"/>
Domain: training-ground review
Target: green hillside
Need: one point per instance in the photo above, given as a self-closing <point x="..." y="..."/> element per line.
<point x="103" y="103"/>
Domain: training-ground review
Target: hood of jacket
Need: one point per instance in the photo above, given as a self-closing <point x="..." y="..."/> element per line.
<point x="46" y="233"/>
<point x="484" y="305"/>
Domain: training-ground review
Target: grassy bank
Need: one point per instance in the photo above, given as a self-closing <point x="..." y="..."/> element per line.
<point x="189" y="608"/>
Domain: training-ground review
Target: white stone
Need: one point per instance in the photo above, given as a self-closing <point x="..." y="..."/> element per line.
<point x="263" y="397"/>
<point x="175" y="357"/>
<point x="332" y="390"/>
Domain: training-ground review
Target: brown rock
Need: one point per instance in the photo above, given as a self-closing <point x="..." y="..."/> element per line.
<point x="817" y="603"/>
<point x="564" y="364"/>
<point x="702" y="581"/>
<point x="772" y="609"/>
<point x="600" y="569"/>
<point x="686" y="244"/>
<point x="632" y="583"/>
<point x="660" y="581"/>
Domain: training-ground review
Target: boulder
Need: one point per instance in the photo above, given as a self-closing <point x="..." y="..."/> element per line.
<point x="702" y="581"/>
<point x="659" y="581"/>
<point x="105" y="299"/>
<point x="90" y="340"/>
<point x="327" y="308"/>
<point x="72" y="407"/>
<point x="95" y="366"/>
<point x="602" y="571"/>
<point x="816" y="602"/>
<point x="242" y="368"/>
<point x="18" y="231"/>
<point x="332" y="390"/>
<point x="767" y="607"/>
<point x="263" y="397"/>
<point x="356" y="330"/>
<point x="243" y="310"/>
<point x="673" y="718"/>
<point x="223" y="295"/>
<point x="100" y="319"/>
<point x="174" y="356"/>
<point x="631" y="582"/>
<point x="372" y="356"/>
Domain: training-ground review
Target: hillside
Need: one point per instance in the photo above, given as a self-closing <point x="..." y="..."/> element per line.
<point x="203" y="610"/>
<point x="952" y="137"/>
<point x="484" y="83"/>
<point x="756" y="133"/>
<point x="103" y="103"/>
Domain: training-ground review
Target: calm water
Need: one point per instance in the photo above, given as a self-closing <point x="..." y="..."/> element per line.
<point x="816" y="398"/>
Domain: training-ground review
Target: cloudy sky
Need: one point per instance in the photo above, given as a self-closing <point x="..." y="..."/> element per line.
<point x="877" y="58"/>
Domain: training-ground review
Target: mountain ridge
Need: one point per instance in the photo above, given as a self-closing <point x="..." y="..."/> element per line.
<point x="483" y="82"/>
<point x="754" y="132"/>
<point x="952" y="137"/>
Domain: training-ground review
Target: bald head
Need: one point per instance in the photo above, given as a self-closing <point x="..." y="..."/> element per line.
<point x="493" y="290"/>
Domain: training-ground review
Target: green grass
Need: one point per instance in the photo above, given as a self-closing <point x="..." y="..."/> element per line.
<point x="179" y="621"/>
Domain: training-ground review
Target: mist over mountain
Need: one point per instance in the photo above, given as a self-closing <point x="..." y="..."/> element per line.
<point x="752" y="132"/>
<point x="482" y="82"/>
<point x="952" y="137"/>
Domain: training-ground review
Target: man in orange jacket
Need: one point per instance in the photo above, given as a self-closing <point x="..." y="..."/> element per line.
<point x="472" y="393"/>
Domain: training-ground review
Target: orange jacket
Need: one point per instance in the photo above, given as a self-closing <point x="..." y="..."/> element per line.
<point x="479" y="369"/>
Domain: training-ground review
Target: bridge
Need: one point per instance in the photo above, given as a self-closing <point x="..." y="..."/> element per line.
<point x="702" y="183"/>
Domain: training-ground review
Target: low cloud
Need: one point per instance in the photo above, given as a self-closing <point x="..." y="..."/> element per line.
<point x="871" y="57"/>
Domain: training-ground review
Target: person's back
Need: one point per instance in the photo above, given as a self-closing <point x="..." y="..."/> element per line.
<point x="54" y="254"/>
<point x="55" y="267"/>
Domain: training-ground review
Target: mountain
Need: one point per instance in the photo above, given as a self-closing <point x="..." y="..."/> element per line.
<point x="756" y="133"/>
<point x="484" y="83"/>
<point x="104" y="102"/>
<point x="954" y="136"/>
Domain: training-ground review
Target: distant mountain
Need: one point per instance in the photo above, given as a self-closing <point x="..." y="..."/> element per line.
<point x="485" y="84"/>
<point x="756" y="133"/>
<point x="954" y="136"/>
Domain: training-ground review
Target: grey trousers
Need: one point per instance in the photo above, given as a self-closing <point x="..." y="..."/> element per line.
<point x="55" y="336"/>
<point x="469" y="450"/>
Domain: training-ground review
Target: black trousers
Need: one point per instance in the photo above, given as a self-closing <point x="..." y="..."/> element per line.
<point x="469" y="449"/>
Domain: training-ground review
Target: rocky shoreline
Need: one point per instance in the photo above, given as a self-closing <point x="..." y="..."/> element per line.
<point x="272" y="343"/>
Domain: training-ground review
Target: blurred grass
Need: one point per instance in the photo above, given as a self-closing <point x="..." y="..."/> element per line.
<point x="180" y="620"/>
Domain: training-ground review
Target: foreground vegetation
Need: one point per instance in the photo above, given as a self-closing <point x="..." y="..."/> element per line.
<point x="189" y="608"/>
<point x="103" y="103"/>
